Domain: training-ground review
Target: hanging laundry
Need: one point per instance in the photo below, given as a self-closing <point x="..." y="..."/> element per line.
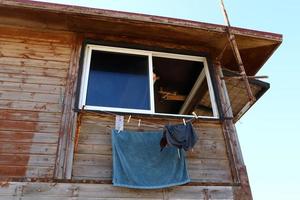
<point x="139" y="163"/>
<point x="180" y="136"/>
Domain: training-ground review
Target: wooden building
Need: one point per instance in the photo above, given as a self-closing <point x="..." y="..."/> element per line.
<point x="54" y="131"/>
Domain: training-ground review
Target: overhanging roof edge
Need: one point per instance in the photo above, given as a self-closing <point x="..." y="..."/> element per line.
<point x="71" y="9"/>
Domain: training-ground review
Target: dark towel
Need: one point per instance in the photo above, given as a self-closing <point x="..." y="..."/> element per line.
<point x="139" y="163"/>
<point x="180" y="136"/>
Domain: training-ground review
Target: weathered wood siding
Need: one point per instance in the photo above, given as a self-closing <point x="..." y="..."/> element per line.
<point x="33" y="71"/>
<point x="65" y="191"/>
<point x="34" y="66"/>
<point x="207" y="163"/>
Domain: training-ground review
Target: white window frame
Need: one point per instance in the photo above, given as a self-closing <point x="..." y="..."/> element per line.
<point x="86" y="70"/>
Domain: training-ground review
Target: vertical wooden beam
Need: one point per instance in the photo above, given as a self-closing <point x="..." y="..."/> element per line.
<point x="64" y="156"/>
<point x="225" y="112"/>
<point x="238" y="168"/>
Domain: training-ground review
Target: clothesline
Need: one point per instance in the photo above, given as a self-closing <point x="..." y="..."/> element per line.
<point x="138" y="120"/>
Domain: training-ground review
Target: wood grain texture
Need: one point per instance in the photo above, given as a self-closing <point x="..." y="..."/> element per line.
<point x="65" y="149"/>
<point x="65" y="191"/>
<point x="33" y="73"/>
<point x="28" y="137"/>
<point x="13" y="61"/>
<point x="207" y="163"/>
<point x="234" y="152"/>
<point x="29" y="116"/>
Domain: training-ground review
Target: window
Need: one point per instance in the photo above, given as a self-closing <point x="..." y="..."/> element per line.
<point x="138" y="81"/>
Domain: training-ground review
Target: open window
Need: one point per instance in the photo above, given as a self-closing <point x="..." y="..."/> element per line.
<point x="138" y="81"/>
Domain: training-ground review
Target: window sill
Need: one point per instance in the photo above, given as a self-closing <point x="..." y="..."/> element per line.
<point x="160" y="115"/>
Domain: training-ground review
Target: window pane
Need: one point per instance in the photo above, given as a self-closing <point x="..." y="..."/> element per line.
<point x="118" y="80"/>
<point x="175" y="82"/>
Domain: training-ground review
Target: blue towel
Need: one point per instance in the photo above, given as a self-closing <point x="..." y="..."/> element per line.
<point x="139" y="163"/>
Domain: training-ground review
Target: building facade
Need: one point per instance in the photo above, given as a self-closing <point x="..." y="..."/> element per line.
<point x="58" y="104"/>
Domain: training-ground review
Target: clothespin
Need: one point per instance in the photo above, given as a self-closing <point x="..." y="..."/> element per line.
<point x="178" y="151"/>
<point x="139" y="124"/>
<point x="129" y="119"/>
<point x="184" y="121"/>
<point x="119" y="123"/>
<point x="195" y="115"/>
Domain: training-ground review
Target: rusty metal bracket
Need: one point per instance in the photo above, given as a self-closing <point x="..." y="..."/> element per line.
<point x="78" y="126"/>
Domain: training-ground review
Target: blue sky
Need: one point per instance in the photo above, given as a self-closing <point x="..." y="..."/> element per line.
<point x="269" y="133"/>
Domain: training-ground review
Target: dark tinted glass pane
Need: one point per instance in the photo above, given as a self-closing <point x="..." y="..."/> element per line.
<point x="118" y="80"/>
<point x="177" y="77"/>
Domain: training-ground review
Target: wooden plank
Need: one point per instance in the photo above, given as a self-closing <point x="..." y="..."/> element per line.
<point x="30" y="172"/>
<point x="93" y="160"/>
<point x="100" y="166"/>
<point x="34" y="55"/>
<point x="91" y="173"/>
<point x="30" y="96"/>
<point x="83" y="198"/>
<point x="42" y="190"/>
<point x="22" y="160"/>
<point x="11" y="125"/>
<point x="237" y="55"/>
<point x="200" y="192"/>
<point x="194" y="164"/>
<point x="102" y="125"/>
<point x="202" y="176"/>
<point x="238" y="168"/>
<point x="87" y="167"/>
<point x="39" y="35"/>
<point x="29" y="116"/>
<point x="65" y="148"/>
<point x="68" y="198"/>
<point x="103" y="135"/>
<point x="30" y="106"/>
<point x="204" y="149"/>
<point x="209" y="131"/>
<point x="33" y="41"/>
<point x="109" y="191"/>
<point x="207" y="163"/>
<point x="95" y="139"/>
<point x="150" y="20"/>
<point x="34" y="190"/>
<point x="24" y="148"/>
<point x="28" y="70"/>
<point x="208" y="149"/>
<point x="9" y="188"/>
<point x="217" y="176"/>
<point x="28" y="137"/>
<point x="33" y="63"/>
<point x="32" y="198"/>
<point x="94" y="149"/>
<point x="82" y="191"/>
<point x="24" y="46"/>
<point x="28" y="87"/>
<point x="28" y="78"/>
